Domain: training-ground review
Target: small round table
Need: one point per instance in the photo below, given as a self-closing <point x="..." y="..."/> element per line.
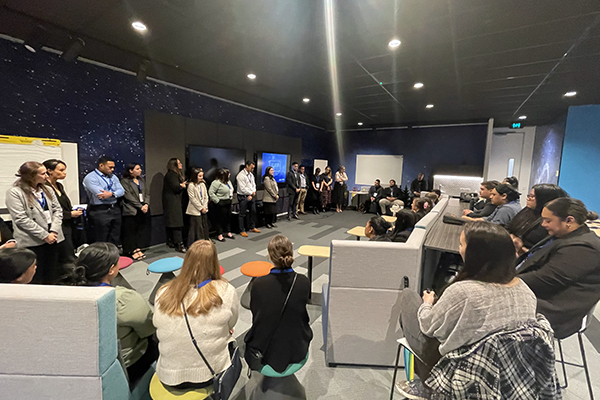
<point x="120" y="280"/>
<point x="253" y="269"/>
<point x="166" y="267"/>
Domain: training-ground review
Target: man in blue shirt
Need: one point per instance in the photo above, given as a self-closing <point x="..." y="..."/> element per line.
<point x="103" y="188"/>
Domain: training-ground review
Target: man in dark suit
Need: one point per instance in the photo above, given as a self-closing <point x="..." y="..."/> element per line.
<point x="418" y="185"/>
<point x="390" y="196"/>
<point x="374" y="197"/>
<point x="292" y="181"/>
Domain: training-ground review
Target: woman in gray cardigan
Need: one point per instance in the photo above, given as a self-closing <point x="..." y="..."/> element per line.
<point x="37" y="219"/>
<point x="135" y="211"/>
<point x="221" y="193"/>
<point x="270" y="197"/>
<point x="197" y="208"/>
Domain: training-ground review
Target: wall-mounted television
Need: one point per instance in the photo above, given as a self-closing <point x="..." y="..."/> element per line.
<point x="210" y="159"/>
<point x="279" y="162"/>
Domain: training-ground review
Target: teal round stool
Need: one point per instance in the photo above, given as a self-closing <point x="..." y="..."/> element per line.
<point x="267" y="370"/>
<point x="166" y="267"/>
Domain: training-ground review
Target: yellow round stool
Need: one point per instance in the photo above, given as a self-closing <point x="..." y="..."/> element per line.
<point x="159" y="392"/>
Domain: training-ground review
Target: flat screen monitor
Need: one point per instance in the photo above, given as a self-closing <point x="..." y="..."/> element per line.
<point x="211" y="159"/>
<point x="279" y="162"/>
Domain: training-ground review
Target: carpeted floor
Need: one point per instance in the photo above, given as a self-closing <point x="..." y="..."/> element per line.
<point x="342" y="382"/>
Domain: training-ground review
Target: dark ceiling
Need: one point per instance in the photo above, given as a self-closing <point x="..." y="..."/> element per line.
<point x="477" y="58"/>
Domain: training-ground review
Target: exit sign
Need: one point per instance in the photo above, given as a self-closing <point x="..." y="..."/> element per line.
<point x="516" y="125"/>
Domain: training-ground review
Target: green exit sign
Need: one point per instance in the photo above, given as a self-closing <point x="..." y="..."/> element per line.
<point x="516" y="125"/>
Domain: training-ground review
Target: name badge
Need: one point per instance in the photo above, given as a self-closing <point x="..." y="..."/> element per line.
<point x="141" y="197"/>
<point x="48" y="216"/>
<point x="317" y="185"/>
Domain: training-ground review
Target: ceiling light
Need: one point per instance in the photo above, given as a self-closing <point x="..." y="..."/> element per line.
<point x="338" y="114"/>
<point x="251" y="76"/>
<point x="306" y="100"/>
<point x="571" y="94"/>
<point x="429" y="106"/>
<point x="360" y="124"/>
<point x="418" y="85"/>
<point x="522" y="117"/>
<point x="394" y="43"/>
<point x="36" y="39"/>
<point x="139" y="26"/>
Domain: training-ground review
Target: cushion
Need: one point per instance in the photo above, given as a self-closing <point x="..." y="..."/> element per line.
<point x="160" y="392"/>
<point x="124" y="262"/>
<point x="170" y="264"/>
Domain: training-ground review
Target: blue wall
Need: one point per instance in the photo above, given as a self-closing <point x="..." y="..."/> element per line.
<point x="103" y="110"/>
<point x="424" y="149"/>
<point x="579" y="168"/>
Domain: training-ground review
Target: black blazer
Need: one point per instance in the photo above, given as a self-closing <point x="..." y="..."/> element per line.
<point x="487" y="210"/>
<point x="392" y="191"/>
<point x="565" y="277"/>
<point x="5" y="232"/>
<point x="375" y="191"/>
<point x="64" y="201"/>
<point x="171" y="197"/>
<point x="292" y="180"/>
<point x="418" y="186"/>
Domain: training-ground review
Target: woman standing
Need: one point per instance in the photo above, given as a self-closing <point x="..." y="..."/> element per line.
<point x="135" y="211"/>
<point x="326" y="188"/>
<point x="199" y="302"/>
<point x="173" y="184"/>
<point x="340" y="188"/>
<point x="221" y="193"/>
<point x="270" y="197"/>
<point x="57" y="170"/>
<point x="315" y="182"/>
<point x="37" y="219"/>
<point x="197" y="208"/>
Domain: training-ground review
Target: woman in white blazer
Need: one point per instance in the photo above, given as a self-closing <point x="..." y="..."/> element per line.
<point x="197" y="208"/>
<point x="37" y="219"/>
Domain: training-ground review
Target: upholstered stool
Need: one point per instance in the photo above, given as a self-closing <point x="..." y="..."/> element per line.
<point x="120" y="280"/>
<point x="158" y="391"/>
<point x="253" y="269"/>
<point x="166" y="267"/>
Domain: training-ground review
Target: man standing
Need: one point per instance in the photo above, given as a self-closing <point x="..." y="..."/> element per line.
<point x="292" y="181"/>
<point x="246" y="191"/>
<point x="374" y="194"/>
<point x="302" y="192"/>
<point x="103" y="189"/>
<point x="418" y="185"/>
<point x="390" y="196"/>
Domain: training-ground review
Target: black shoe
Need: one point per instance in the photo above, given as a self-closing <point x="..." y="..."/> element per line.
<point x="317" y="211"/>
<point x="296" y="217"/>
<point x="269" y="226"/>
<point x="171" y="245"/>
<point x="273" y="226"/>
<point x="229" y="237"/>
<point x="181" y="248"/>
<point x="221" y="240"/>
<point x="289" y="218"/>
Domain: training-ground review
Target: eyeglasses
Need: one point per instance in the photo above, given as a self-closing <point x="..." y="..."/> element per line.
<point x="531" y="196"/>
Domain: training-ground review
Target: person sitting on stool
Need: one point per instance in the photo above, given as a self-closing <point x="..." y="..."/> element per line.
<point x="390" y="196"/>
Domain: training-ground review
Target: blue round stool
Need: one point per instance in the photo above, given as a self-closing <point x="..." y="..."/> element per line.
<point x="166" y="267"/>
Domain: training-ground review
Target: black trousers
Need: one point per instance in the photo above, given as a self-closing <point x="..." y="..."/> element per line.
<point x="137" y="370"/>
<point x="48" y="270"/>
<point x="198" y="228"/>
<point x="223" y="220"/>
<point x="247" y="215"/>
<point x="293" y="202"/>
<point x="174" y="235"/>
<point x="134" y="231"/>
<point x="270" y="212"/>
<point x="105" y="223"/>
<point x="66" y="250"/>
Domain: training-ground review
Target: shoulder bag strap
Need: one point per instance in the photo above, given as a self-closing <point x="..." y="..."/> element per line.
<point x="280" y="315"/>
<point x="212" y="371"/>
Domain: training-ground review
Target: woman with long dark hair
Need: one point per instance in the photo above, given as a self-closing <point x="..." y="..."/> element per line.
<point x="197" y="208"/>
<point x="98" y="265"/>
<point x="173" y="185"/>
<point x="421" y="207"/>
<point x="37" y="219"/>
<point x="270" y="197"/>
<point x="221" y="193"/>
<point x="340" y="189"/>
<point x="326" y="183"/>
<point x="485" y="298"/>
<point x="57" y="170"/>
<point x="135" y="205"/>
<point x="404" y="225"/>
<point x="315" y="183"/>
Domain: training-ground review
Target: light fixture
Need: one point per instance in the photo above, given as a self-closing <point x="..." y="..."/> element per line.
<point x="418" y="85"/>
<point x="36" y="39"/>
<point x="394" y="43"/>
<point x="571" y="94"/>
<point x="139" y="26"/>
<point x="522" y="117"/>
<point x="142" y="72"/>
<point x="338" y="114"/>
<point x="71" y="53"/>
<point x="251" y="76"/>
<point x="360" y="124"/>
<point x="429" y="106"/>
<point x="306" y="100"/>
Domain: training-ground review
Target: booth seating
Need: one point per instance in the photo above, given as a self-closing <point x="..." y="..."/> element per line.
<point x="60" y="342"/>
<point x="361" y="300"/>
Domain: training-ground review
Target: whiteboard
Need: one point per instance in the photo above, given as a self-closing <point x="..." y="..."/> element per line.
<point x="370" y="167"/>
<point x="13" y="155"/>
<point x="320" y="164"/>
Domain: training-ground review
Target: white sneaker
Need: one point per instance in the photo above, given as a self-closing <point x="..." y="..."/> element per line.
<point x="413" y="389"/>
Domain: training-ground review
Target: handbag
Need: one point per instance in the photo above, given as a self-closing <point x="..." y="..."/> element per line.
<point x="254" y="357"/>
<point x="225" y="381"/>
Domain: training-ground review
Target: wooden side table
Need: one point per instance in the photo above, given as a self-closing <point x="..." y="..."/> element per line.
<point x="358" y="231"/>
<point x="313" y="251"/>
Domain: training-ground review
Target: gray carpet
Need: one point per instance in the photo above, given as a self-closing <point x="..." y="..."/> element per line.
<point x="320" y="381"/>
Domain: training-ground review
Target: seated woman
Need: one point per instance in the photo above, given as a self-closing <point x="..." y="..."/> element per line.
<point x="563" y="270"/>
<point x="506" y="198"/>
<point x="6" y="236"/>
<point x="17" y="265"/>
<point x="282" y="342"/>
<point x="405" y="222"/>
<point x="526" y="227"/>
<point x="211" y="307"/>
<point x="485" y="298"/>
<point x="376" y="229"/>
<point x="98" y="265"/>
<point x="421" y="207"/>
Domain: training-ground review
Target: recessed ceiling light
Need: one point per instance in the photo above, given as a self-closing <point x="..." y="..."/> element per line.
<point x="429" y="106"/>
<point x="522" y="117"/>
<point x="251" y="76"/>
<point x="360" y="124"/>
<point x="338" y="114"/>
<point x="418" y="85"/>
<point x="306" y="100"/>
<point x="571" y="94"/>
<point x="394" y="43"/>
<point x="139" y="26"/>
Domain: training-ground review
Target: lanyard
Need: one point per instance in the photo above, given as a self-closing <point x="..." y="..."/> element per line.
<point x="103" y="284"/>
<point x="44" y="202"/>
<point x="203" y="283"/>
<point x="281" y="271"/>
<point x="109" y="184"/>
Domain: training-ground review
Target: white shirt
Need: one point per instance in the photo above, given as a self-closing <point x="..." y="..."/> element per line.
<point x="245" y="183"/>
<point x="302" y="181"/>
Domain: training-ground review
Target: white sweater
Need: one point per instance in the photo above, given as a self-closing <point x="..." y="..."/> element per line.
<point x="198" y="198"/>
<point x="179" y="361"/>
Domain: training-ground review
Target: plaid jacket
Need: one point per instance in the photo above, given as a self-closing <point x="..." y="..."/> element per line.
<point x="512" y="365"/>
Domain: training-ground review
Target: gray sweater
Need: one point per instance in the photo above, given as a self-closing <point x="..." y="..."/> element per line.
<point x="468" y="311"/>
